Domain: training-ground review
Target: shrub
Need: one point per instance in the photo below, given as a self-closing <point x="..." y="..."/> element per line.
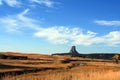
<point x="116" y="58"/>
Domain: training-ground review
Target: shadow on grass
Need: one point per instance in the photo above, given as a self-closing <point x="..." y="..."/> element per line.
<point x="5" y="66"/>
<point x="24" y="70"/>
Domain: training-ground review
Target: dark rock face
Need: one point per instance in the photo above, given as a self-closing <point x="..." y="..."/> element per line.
<point x="73" y="51"/>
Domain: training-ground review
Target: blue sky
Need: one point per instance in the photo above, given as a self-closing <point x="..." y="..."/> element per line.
<point x="53" y="26"/>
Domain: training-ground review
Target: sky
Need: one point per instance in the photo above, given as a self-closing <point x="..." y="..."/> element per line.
<point x="53" y="26"/>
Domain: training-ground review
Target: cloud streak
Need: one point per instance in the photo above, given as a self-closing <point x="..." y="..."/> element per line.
<point x="0" y="2"/>
<point x="108" y="23"/>
<point x="14" y="23"/>
<point x="47" y="3"/>
<point x="18" y="3"/>
<point x="58" y="34"/>
<point x="12" y="3"/>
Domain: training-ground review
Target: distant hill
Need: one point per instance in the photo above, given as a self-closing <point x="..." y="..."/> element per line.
<point x="98" y="55"/>
<point x="73" y="52"/>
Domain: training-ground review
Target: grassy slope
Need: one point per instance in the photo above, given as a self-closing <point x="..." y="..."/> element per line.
<point x="91" y="70"/>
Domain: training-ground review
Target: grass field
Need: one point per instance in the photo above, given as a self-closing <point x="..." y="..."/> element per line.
<point x="46" y="67"/>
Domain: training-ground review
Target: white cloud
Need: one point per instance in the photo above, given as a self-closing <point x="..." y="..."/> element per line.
<point x="108" y="23"/>
<point x="55" y="34"/>
<point x="10" y="24"/>
<point x="87" y="39"/>
<point x="47" y="3"/>
<point x="15" y="22"/>
<point x="64" y="35"/>
<point x="0" y="2"/>
<point x="58" y="34"/>
<point x="113" y="38"/>
<point x="30" y="3"/>
<point x="12" y="3"/>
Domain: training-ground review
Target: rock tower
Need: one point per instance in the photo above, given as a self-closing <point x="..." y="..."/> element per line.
<point x="73" y="51"/>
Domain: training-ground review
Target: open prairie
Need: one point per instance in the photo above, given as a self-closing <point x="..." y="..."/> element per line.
<point x="47" y="67"/>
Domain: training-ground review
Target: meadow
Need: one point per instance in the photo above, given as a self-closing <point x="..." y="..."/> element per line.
<point x="47" y="67"/>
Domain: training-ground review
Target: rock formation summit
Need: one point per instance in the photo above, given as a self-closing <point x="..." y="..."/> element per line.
<point x="72" y="52"/>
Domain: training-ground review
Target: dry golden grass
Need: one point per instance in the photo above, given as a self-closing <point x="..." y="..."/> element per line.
<point x="70" y="75"/>
<point x="92" y="69"/>
<point x="87" y="72"/>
